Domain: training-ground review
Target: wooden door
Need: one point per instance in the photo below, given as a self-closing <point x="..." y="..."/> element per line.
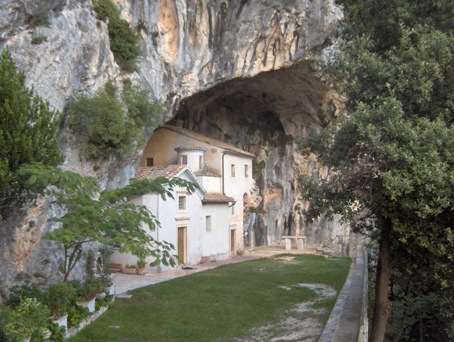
<point x="232" y="240"/>
<point x="182" y="245"/>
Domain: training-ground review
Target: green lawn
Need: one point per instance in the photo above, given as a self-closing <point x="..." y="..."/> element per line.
<point x="219" y="304"/>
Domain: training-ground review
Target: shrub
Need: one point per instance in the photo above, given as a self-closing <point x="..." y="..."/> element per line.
<point x="59" y="297"/>
<point x="38" y="38"/>
<point x="20" y="292"/>
<point x="102" y="123"/>
<point x="141" y="263"/>
<point x="100" y="302"/>
<point x="107" y="125"/>
<point x="40" y="19"/>
<point x="141" y="110"/>
<point x="91" y="287"/>
<point x="76" y="314"/>
<point x="107" y="280"/>
<point x="124" y="41"/>
<point x="28" y="319"/>
<point x="257" y="167"/>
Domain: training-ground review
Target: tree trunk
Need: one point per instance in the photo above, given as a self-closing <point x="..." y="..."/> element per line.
<point x="382" y="305"/>
<point x="421" y="330"/>
<point x="400" y="331"/>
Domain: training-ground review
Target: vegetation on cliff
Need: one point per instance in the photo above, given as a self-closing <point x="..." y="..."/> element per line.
<point x="124" y="41"/>
<point x="28" y="133"/>
<point x="391" y="157"/>
<point x="107" y="124"/>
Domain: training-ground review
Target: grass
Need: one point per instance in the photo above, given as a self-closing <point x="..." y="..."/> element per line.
<point x="221" y="304"/>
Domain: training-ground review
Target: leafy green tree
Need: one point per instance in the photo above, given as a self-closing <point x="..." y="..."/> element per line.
<point x="28" y="133"/>
<point x="106" y="216"/>
<point x="391" y="153"/>
<point x="106" y="124"/>
<point x="140" y="109"/>
<point x="102" y="125"/>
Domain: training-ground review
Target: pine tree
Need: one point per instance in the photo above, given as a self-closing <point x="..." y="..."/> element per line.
<point x="28" y="133"/>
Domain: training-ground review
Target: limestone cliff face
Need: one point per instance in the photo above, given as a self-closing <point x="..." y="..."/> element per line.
<point x="240" y="71"/>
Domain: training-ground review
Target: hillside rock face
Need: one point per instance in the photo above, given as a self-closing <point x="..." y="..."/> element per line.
<point x="240" y="71"/>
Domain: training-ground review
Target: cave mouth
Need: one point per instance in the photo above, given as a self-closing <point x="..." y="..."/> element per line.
<point x="248" y="112"/>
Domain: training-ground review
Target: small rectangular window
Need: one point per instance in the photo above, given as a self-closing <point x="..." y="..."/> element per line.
<point x="184" y="160"/>
<point x="150" y="161"/>
<point x="208" y="223"/>
<point x="246" y="171"/>
<point x="181" y="203"/>
<point x="232" y="170"/>
<point x="200" y="162"/>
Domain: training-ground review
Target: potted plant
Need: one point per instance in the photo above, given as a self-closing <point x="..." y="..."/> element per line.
<point x="26" y="320"/>
<point x="88" y="291"/>
<point x="129" y="269"/>
<point x="141" y="266"/>
<point x="108" y="284"/>
<point x="59" y="296"/>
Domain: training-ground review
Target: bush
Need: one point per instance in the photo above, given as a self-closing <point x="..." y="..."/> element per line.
<point x="124" y="41"/>
<point x="141" y="110"/>
<point x="28" y="319"/>
<point x="100" y="302"/>
<point x="91" y="287"/>
<point x="76" y="314"/>
<point x="101" y="122"/>
<point x="107" y="125"/>
<point x="40" y="19"/>
<point x="59" y="297"/>
<point x="38" y="38"/>
<point x="20" y="292"/>
<point x="141" y="263"/>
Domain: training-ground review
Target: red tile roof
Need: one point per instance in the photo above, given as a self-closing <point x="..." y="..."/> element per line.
<point x="154" y="172"/>
<point x="208" y="140"/>
<point x="217" y="198"/>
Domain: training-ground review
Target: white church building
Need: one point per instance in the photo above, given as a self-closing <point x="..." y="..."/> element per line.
<point x="206" y="225"/>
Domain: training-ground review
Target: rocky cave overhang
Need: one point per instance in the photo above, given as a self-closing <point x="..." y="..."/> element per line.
<point x="286" y="100"/>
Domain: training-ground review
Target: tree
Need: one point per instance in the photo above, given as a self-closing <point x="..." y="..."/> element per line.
<point x="101" y="124"/>
<point x="28" y="133"/>
<point x="106" y="216"/>
<point x="391" y="152"/>
<point x="106" y="124"/>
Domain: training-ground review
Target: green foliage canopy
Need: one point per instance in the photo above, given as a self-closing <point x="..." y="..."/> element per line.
<point x="107" y="216"/>
<point x="106" y="124"/>
<point x="28" y="133"/>
<point x="140" y="109"/>
<point x="28" y="319"/>
<point x="391" y="153"/>
<point x="102" y="123"/>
